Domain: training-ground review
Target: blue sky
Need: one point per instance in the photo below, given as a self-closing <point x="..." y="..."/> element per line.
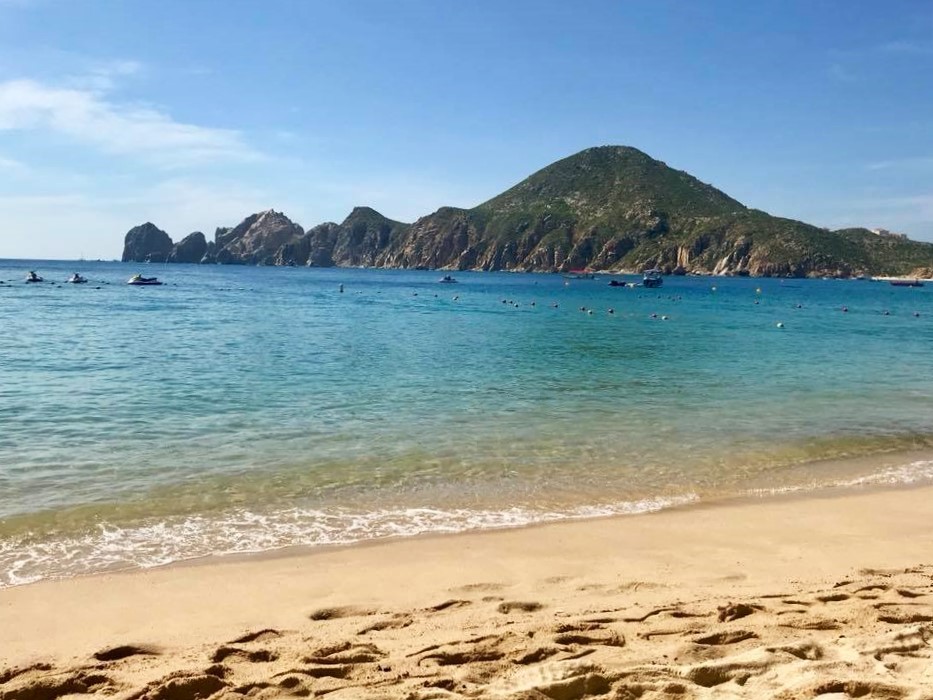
<point x="194" y="114"/>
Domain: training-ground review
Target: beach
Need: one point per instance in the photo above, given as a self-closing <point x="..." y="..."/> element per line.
<point x="811" y="596"/>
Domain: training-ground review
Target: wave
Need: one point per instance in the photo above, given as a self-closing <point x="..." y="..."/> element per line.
<point x="107" y="547"/>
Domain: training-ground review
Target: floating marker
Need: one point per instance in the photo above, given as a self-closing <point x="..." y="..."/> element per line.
<point x="779" y="324"/>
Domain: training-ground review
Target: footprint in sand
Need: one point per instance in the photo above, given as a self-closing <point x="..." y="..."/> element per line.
<point x="522" y="606"/>
<point x="396" y="622"/>
<point x="728" y="637"/>
<point x="345" y="653"/>
<point x="736" y="611"/>
<point x="479" y="588"/>
<point x="260" y="636"/>
<point x="340" y="612"/>
<point x="182" y="686"/>
<point x="124" y="651"/>
<point x="253" y="656"/>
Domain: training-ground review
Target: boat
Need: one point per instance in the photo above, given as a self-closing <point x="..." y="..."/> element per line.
<point x="617" y="283"/>
<point x="76" y="279"/>
<point x="579" y="275"/>
<point x="447" y="279"/>
<point x="140" y="281"/>
<point x="33" y="277"/>
<point x="652" y="278"/>
<point x="906" y="283"/>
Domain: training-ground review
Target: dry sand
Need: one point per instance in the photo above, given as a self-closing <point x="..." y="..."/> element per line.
<point x="790" y="598"/>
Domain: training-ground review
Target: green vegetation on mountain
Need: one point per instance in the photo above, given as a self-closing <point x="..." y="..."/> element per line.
<point x="608" y="208"/>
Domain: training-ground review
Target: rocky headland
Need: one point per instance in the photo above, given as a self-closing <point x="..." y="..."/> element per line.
<point x="610" y="208"/>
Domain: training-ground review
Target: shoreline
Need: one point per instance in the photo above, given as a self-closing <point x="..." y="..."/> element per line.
<point x="847" y="475"/>
<point x="763" y="553"/>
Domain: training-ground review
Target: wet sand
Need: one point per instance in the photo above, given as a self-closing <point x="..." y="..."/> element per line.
<point x="787" y="598"/>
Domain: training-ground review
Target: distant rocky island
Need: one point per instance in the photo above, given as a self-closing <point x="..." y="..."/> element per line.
<point x="610" y="208"/>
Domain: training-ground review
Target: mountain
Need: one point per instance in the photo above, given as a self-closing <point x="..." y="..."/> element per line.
<point x="608" y="208"/>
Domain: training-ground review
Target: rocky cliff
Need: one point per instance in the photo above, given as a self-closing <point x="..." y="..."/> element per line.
<point x="190" y="249"/>
<point x="609" y="208"/>
<point x="146" y="243"/>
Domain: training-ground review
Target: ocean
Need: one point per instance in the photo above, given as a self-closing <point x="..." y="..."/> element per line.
<point x="246" y="409"/>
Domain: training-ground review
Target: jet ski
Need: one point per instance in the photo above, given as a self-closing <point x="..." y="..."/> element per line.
<point x="33" y="277"/>
<point x="77" y="279"/>
<point x="140" y="281"/>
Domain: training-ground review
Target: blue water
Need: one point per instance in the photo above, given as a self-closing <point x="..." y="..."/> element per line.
<point x="244" y="409"/>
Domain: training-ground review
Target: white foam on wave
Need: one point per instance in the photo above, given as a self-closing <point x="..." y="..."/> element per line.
<point x="906" y="474"/>
<point x="110" y="548"/>
<point x="913" y="473"/>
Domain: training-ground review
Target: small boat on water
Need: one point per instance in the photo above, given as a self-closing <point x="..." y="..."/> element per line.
<point x="140" y="281"/>
<point x="32" y="277"/>
<point x="447" y="279"/>
<point x="76" y="279"/>
<point x="652" y="278"/>
<point x="617" y="283"/>
<point x="906" y="283"/>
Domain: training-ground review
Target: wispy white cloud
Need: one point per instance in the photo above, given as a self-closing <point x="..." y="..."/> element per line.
<point x="10" y="164"/>
<point x="86" y="116"/>
<point x="914" y="163"/>
<point x="904" y="46"/>
<point x="103" y="76"/>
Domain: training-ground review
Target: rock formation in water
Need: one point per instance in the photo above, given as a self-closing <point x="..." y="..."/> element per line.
<point x="190" y="249"/>
<point x="146" y="243"/>
<point x="256" y="240"/>
<point x="609" y="208"/>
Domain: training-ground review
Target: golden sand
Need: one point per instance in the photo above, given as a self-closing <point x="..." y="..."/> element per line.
<point x="803" y="598"/>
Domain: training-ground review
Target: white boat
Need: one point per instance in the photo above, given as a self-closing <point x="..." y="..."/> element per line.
<point x="140" y="281"/>
<point x="652" y="278"/>
<point x="76" y="279"/>
<point x="447" y="279"/>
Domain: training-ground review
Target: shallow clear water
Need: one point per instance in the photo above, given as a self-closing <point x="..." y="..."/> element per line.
<point x="243" y="409"/>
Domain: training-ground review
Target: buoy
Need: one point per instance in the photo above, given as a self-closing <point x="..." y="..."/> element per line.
<point x="664" y="318"/>
<point x="780" y="325"/>
<point x="590" y="312"/>
<point x="916" y="314"/>
<point x="799" y="306"/>
<point x="845" y="309"/>
<point x="713" y="289"/>
<point x="612" y="311"/>
<point x="756" y="302"/>
<point x="341" y="289"/>
<point x="654" y="315"/>
<point x="758" y="290"/>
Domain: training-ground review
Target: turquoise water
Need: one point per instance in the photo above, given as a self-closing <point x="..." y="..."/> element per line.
<point x="244" y="409"/>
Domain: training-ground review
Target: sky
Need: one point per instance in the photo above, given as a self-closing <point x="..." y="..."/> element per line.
<point x="195" y="114"/>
